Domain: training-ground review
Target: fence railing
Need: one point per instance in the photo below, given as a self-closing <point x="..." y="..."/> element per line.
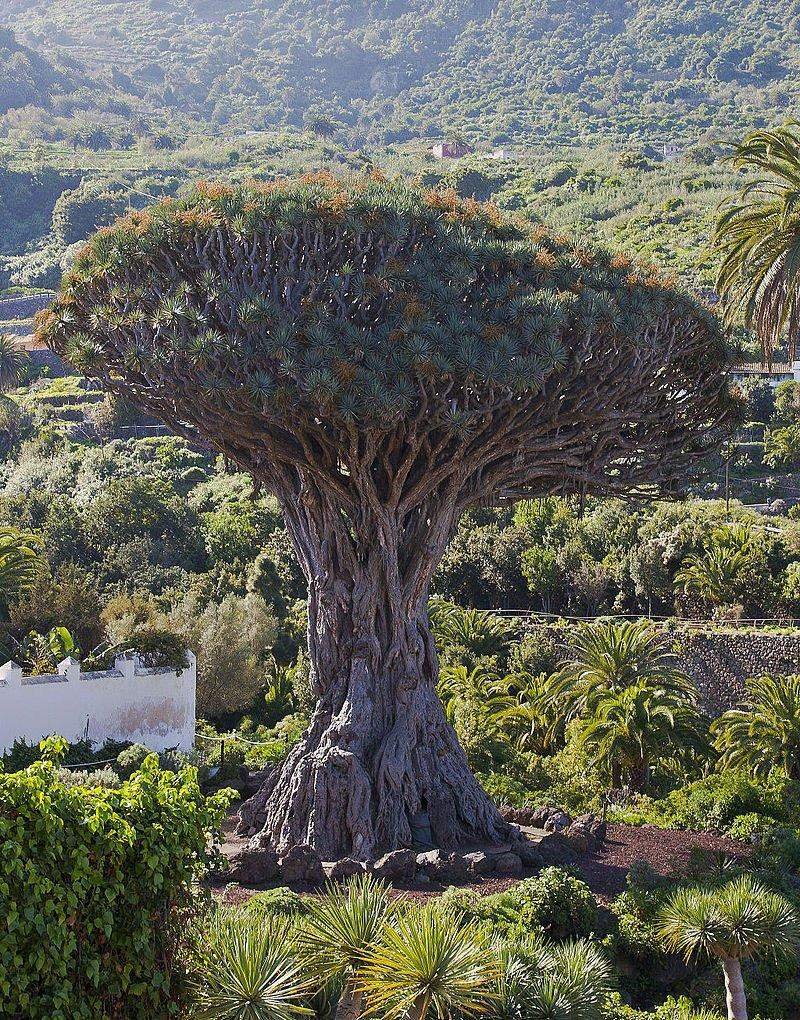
<point x="701" y="623"/>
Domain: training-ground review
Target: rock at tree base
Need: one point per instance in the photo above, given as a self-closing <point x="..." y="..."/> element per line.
<point x="253" y="866"/>
<point x="440" y="866"/>
<point x="397" y="866"/>
<point x="339" y="871"/>
<point x="302" y="864"/>
<point x="509" y="865"/>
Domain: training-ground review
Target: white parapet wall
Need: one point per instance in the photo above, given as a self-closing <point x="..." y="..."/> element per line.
<point x="151" y="706"/>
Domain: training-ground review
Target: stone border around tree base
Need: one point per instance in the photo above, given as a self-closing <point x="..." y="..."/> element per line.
<point x="557" y="841"/>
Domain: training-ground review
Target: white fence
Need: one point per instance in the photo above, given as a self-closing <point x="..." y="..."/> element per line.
<point x="155" y="707"/>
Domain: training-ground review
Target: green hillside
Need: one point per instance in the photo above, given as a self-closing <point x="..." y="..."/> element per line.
<point x="564" y="70"/>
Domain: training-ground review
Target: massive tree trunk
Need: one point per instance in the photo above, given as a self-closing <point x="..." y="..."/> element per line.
<point x="379" y="766"/>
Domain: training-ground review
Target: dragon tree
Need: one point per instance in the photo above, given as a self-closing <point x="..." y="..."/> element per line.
<point x="383" y="358"/>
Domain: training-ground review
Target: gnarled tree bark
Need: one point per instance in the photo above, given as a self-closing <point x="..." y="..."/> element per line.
<point x="379" y="767"/>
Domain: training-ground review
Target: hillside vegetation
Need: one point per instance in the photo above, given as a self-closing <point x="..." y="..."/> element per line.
<point x="562" y="70"/>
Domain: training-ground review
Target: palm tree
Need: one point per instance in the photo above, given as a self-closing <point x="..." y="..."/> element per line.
<point x="429" y="963"/>
<point x="13" y="363"/>
<point x="765" y="733"/>
<point x="535" y="722"/>
<point x="338" y="933"/>
<point x="480" y="686"/>
<point x="758" y="237"/>
<point x="248" y="971"/>
<point x="633" y="702"/>
<point x="629" y="728"/>
<point x="736" y="922"/>
<point x="19" y="561"/>
<point x="610" y="657"/>
<point x="714" y="575"/>
<point x="480" y="633"/>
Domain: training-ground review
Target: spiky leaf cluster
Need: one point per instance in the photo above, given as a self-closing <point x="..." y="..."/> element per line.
<point x="320" y="304"/>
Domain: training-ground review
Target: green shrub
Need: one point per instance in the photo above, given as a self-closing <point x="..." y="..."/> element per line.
<point x="276" y="902"/>
<point x="90" y="881"/>
<point x="715" y="801"/>
<point x="556" y="902"/>
<point x="131" y="759"/>
<point x="553" y="901"/>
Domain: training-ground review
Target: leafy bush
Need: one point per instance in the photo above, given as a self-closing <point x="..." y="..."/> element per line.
<point x="553" y="901"/>
<point x="280" y="902"/>
<point x="90" y="880"/>
<point x="556" y="902"/>
<point x="131" y="759"/>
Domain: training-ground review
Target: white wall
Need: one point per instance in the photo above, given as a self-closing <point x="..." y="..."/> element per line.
<point x="155" y="707"/>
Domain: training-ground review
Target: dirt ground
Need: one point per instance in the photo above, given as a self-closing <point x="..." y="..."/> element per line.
<point x="667" y="851"/>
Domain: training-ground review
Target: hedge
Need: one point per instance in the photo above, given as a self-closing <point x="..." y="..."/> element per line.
<point x="90" y="880"/>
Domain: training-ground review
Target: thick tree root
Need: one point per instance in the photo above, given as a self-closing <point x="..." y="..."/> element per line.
<point x="353" y="787"/>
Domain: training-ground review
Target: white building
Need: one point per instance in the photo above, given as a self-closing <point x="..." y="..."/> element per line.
<point x="151" y="706"/>
<point x="778" y="373"/>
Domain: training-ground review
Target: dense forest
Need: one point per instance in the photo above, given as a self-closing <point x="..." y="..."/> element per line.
<point x="563" y="70"/>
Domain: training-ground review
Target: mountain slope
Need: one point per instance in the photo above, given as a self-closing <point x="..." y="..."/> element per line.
<point x="390" y="69"/>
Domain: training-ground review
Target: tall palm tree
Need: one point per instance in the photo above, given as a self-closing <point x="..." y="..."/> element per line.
<point x="338" y="933"/>
<point x="758" y="237"/>
<point x="714" y="575"/>
<point x="428" y="964"/>
<point x="628" y="729"/>
<point x="609" y="657"/>
<point x="736" y="922"/>
<point x="633" y="702"/>
<point x="765" y="733"/>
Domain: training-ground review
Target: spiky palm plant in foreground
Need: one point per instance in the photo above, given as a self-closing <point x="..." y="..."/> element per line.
<point x="248" y="970"/>
<point x="737" y="922"/>
<point x="559" y="982"/>
<point x="337" y="936"/>
<point x="758" y="237"/>
<point x="764" y="734"/>
<point x="382" y="358"/>
<point x="429" y="964"/>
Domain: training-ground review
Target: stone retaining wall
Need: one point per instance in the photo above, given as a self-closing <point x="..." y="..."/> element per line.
<point x="717" y="661"/>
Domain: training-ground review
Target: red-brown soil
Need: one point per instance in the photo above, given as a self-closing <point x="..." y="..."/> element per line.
<point x="667" y="851"/>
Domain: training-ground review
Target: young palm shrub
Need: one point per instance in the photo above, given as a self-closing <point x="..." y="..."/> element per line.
<point x="561" y="982"/>
<point x="14" y="362"/>
<point x="248" y="970"/>
<point x="736" y="922"/>
<point x="632" y="702"/>
<point x="428" y="963"/>
<point x="715" y="575"/>
<point x="765" y="734"/>
<point x="536" y="724"/>
<point x="338" y="933"/>
<point x="20" y="554"/>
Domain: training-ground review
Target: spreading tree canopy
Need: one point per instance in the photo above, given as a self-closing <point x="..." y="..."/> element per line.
<point x="382" y="358"/>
